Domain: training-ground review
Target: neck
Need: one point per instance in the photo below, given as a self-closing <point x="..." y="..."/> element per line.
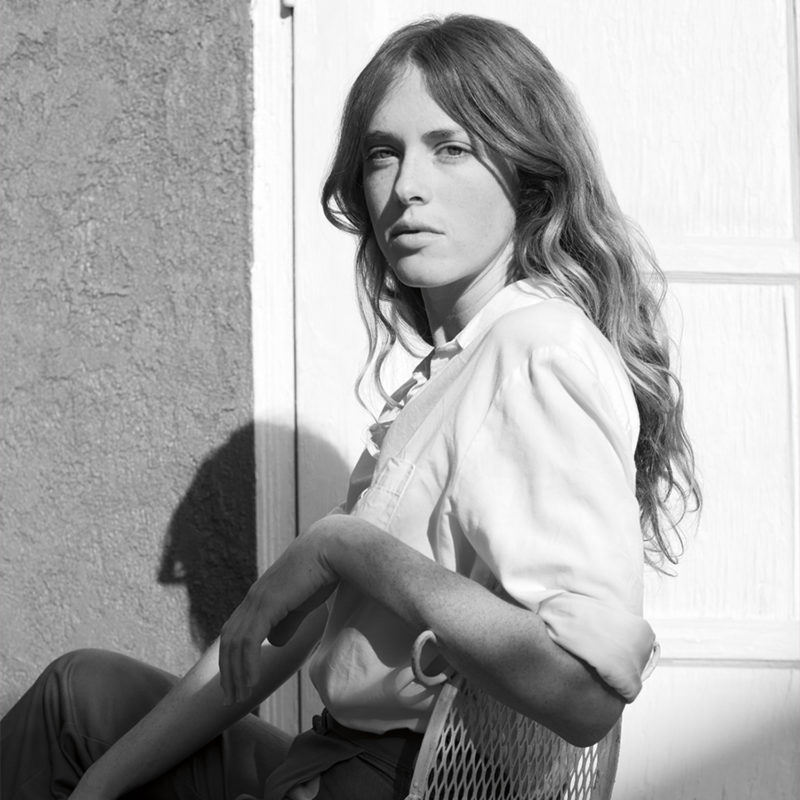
<point x="450" y="308"/>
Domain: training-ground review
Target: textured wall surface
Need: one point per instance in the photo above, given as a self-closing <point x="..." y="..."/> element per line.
<point x="126" y="443"/>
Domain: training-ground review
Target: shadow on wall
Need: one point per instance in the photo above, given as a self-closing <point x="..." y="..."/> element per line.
<point x="210" y="545"/>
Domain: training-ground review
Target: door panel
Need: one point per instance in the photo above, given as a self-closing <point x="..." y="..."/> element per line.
<point x="695" y="112"/>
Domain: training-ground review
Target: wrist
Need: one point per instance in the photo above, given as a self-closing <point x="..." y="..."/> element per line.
<point x="340" y="539"/>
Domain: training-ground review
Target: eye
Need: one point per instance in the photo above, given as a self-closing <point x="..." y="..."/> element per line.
<point x="379" y="154"/>
<point x="452" y="151"/>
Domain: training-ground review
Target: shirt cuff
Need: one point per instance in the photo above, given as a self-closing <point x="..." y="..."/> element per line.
<point x="620" y="646"/>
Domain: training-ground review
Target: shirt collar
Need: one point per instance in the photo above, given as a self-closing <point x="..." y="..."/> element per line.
<point x="516" y="295"/>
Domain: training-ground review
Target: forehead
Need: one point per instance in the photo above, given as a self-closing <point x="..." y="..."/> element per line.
<point x="408" y="103"/>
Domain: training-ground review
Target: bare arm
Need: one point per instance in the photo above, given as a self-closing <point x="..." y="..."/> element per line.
<point x="500" y="646"/>
<point x="497" y="644"/>
<point x="192" y="714"/>
<point x="558" y="487"/>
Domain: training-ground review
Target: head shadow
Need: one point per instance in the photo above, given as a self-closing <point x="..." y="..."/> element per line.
<point x="210" y="544"/>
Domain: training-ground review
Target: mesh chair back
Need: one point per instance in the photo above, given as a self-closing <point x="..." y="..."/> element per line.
<point x="476" y="748"/>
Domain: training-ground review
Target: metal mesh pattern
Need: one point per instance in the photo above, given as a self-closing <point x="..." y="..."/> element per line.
<point x="486" y="751"/>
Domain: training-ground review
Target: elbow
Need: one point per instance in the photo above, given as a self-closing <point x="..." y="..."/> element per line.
<point x="590" y="719"/>
<point x="586" y="733"/>
<point x="580" y="731"/>
<point x="581" y="711"/>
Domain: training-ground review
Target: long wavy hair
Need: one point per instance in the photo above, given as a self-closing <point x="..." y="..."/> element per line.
<point x="570" y="230"/>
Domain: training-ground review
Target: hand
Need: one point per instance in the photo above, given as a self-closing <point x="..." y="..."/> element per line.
<point x="275" y="605"/>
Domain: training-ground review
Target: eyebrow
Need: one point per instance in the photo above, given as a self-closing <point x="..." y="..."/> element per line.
<point x="445" y="133"/>
<point x="436" y="135"/>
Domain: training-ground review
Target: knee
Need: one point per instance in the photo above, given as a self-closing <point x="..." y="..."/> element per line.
<point x="82" y="682"/>
<point x="67" y="685"/>
<point x="101" y="667"/>
<point x="76" y="663"/>
<point x="78" y="660"/>
<point x="80" y="673"/>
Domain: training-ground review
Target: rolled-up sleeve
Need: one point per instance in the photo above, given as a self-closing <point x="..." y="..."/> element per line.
<point x="545" y="494"/>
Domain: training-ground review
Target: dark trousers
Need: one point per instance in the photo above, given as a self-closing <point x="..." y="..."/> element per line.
<point x="86" y="700"/>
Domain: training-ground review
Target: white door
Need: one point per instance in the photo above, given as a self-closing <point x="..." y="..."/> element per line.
<point x="695" y="109"/>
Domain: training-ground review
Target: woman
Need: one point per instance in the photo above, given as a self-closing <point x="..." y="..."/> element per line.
<point x="512" y="488"/>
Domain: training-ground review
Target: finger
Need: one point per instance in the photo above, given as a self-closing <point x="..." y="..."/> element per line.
<point x="286" y="628"/>
<point x="247" y="630"/>
<point x="251" y="649"/>
<point x="283" y="631"/>
<point x="241" y="660"/>
<point x="225" y="664"/>
<point x="230" y="658"/>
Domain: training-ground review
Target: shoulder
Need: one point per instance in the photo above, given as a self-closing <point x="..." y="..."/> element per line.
<point x="553" y="337"/>
<point x="551" y="326"/>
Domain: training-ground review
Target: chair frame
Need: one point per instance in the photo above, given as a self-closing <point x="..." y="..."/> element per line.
<point x="523" y="761"/>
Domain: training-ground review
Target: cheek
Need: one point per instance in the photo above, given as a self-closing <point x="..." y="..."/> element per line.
<point x="502" y="211"/>
<point x="376" y="194"/>
<point x="490" y="221"/>
<point x="370" y="201"/>
<point x="484" y="205"/>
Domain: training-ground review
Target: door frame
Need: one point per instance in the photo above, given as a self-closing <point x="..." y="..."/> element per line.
<point x="273" y="306"/>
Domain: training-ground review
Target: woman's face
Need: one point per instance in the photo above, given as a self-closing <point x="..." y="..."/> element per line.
<point x="442" y="210"/>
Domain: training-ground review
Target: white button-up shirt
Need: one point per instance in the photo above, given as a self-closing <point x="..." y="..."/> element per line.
<point x="509" y="459"/>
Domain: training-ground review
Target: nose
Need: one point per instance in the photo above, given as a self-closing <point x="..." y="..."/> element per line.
<point x="412" y="184"/>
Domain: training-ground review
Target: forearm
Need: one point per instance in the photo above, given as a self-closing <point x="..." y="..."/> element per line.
<point x="500" y="646"/>
<point x="192" y="714"/>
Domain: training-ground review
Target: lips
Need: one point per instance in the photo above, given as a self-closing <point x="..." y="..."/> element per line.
<point x="407" y="231"/>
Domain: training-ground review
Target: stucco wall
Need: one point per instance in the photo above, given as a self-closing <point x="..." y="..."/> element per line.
<point x="126" y="449"/>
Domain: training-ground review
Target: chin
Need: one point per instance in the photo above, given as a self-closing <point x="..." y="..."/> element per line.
<point x="412" y="278"/>
<point x="418" y="275"/>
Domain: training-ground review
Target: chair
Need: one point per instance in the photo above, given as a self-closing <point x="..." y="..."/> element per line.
<point x="476" y="748"/>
